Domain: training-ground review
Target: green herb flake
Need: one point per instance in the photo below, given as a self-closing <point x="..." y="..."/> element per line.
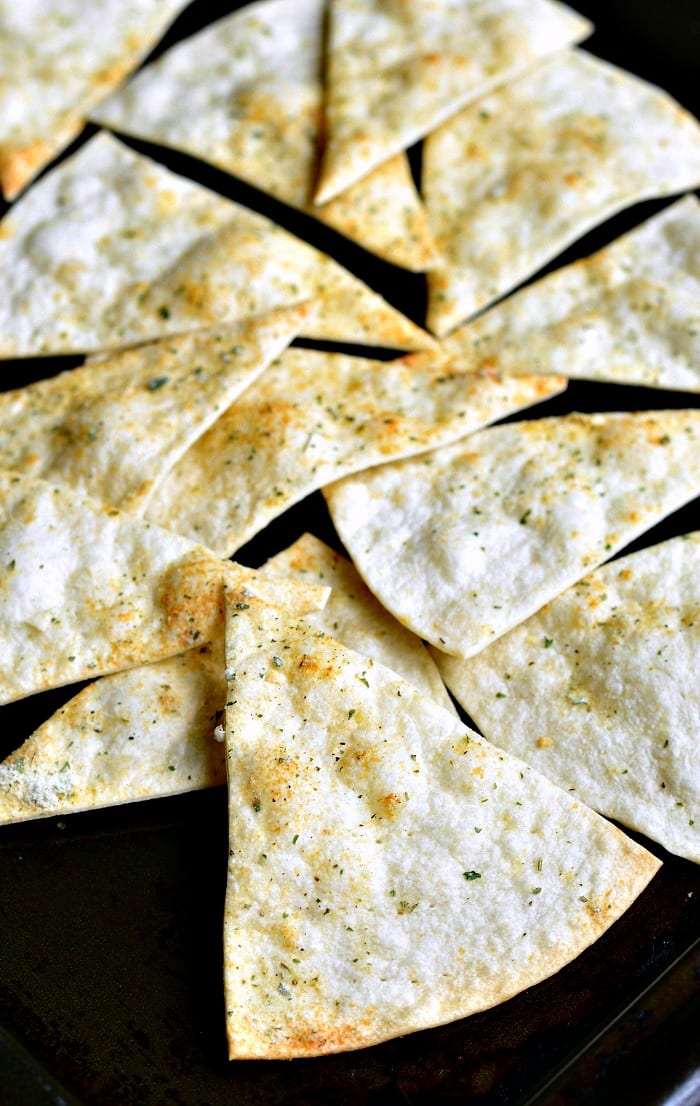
<point x="470" y="875"/>
<point x="277" y="661"/>
<point x="157" y="382"/>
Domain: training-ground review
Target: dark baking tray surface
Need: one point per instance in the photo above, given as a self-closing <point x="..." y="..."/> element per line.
<point x="110" y="921"/>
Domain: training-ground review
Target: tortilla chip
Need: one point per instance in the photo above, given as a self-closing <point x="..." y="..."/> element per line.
<point x="521" y="174"/>
<point x="156" y="729"/>
<point x="141" y="734"/>
<point x="388" y="869"/>
<point x="110" y="250"/>
<point x="87" y="590"/>
<point x="252" y="85"/>
<point x="56" y="61"/>
<point x="313" y="417"/>
<point x="630" y="314"/>
<point x="114" y="428"/>
<point x="353" y="616"/>
<point x="599" y="691"/>
<point x="396" y="71"/>
<point x="467" y="542"/>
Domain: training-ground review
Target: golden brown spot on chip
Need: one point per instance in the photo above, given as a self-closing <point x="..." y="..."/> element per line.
<point x="488" y="364"/>
<point x="390" y="803"/>
<point x="192" y="598"/>
<point x="544" y="742"/>
<point x="334" y="1038"/>
<point x="19" y="166"/>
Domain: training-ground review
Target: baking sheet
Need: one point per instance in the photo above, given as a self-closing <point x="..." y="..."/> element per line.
<point x="110" y="921"/>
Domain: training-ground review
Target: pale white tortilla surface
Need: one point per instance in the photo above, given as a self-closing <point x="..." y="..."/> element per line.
<point x="57" y="59"/>
<point x="599" y="691"/>
<point x="629" y="314"/>
<point x="114" y="428"/>
<point x="252" y="82"/>
<point x="395" y="71"/>
<point x="525" y="171"/>
<point x="314" y="416"/>
<point x="388" y="869"/>
<point x="110" y="249"/>
<point x="469" y="540"/>
<point x="86" y="590"/>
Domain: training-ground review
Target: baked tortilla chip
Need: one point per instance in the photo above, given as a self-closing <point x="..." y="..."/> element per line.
<point x="521" y="174"/>
<point x="156" y="729"/>
<point x="395" y="71"/>
<point x="110" y="249"/>
<point x="630" y="314"/>
<point x="599" y="691"/>
<point x="114" y="428"/>
<point x="467" y="542"/>
<point x="141" y="734"/>
<point x="252" y="85"/>
<point x="57" y="59"/>
<point x="388" y="869"/>
<point x="313" y="417"/>
<point x="86" y="590"/>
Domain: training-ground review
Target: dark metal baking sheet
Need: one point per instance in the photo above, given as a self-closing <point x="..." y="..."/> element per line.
<point x="110" y="921"/>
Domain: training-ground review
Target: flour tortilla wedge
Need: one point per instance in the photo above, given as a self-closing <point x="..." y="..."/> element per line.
<point x="313" y="417"/>
<point x="388" y="870"/>
<point x="396" y="71"/>
<point x="110" y="250"/>
<point x="467" y="542"/>
<point x="252" y="84"/>
<point x="56" y="61"/>
<point x="630" y="314"/>
<point x="156" y="729"/>
<point x="525" y="171"/>
<point x="599" y="691"/>
<point x="114" y="428"/>
<point x="86" y="590"/>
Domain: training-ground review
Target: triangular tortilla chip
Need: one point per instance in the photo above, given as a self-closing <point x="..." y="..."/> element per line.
<point x="388" y="869"/>
<point x="252" y="85"/>
<point x="86" y="590"/>
<point x="110" y="249"/>
<point x="114" y="428"/>
<point x="56" y="61"/>
<point x="599" y="691"/>
<point x="521" y="174"/>
<point x="465" y="543"/>
<point x="630" y="314"/>
<point x="157" y="730"/>
<point x="316" y="416"/>
<point x="396" y="71"/>
<point x="141" y="734"/>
